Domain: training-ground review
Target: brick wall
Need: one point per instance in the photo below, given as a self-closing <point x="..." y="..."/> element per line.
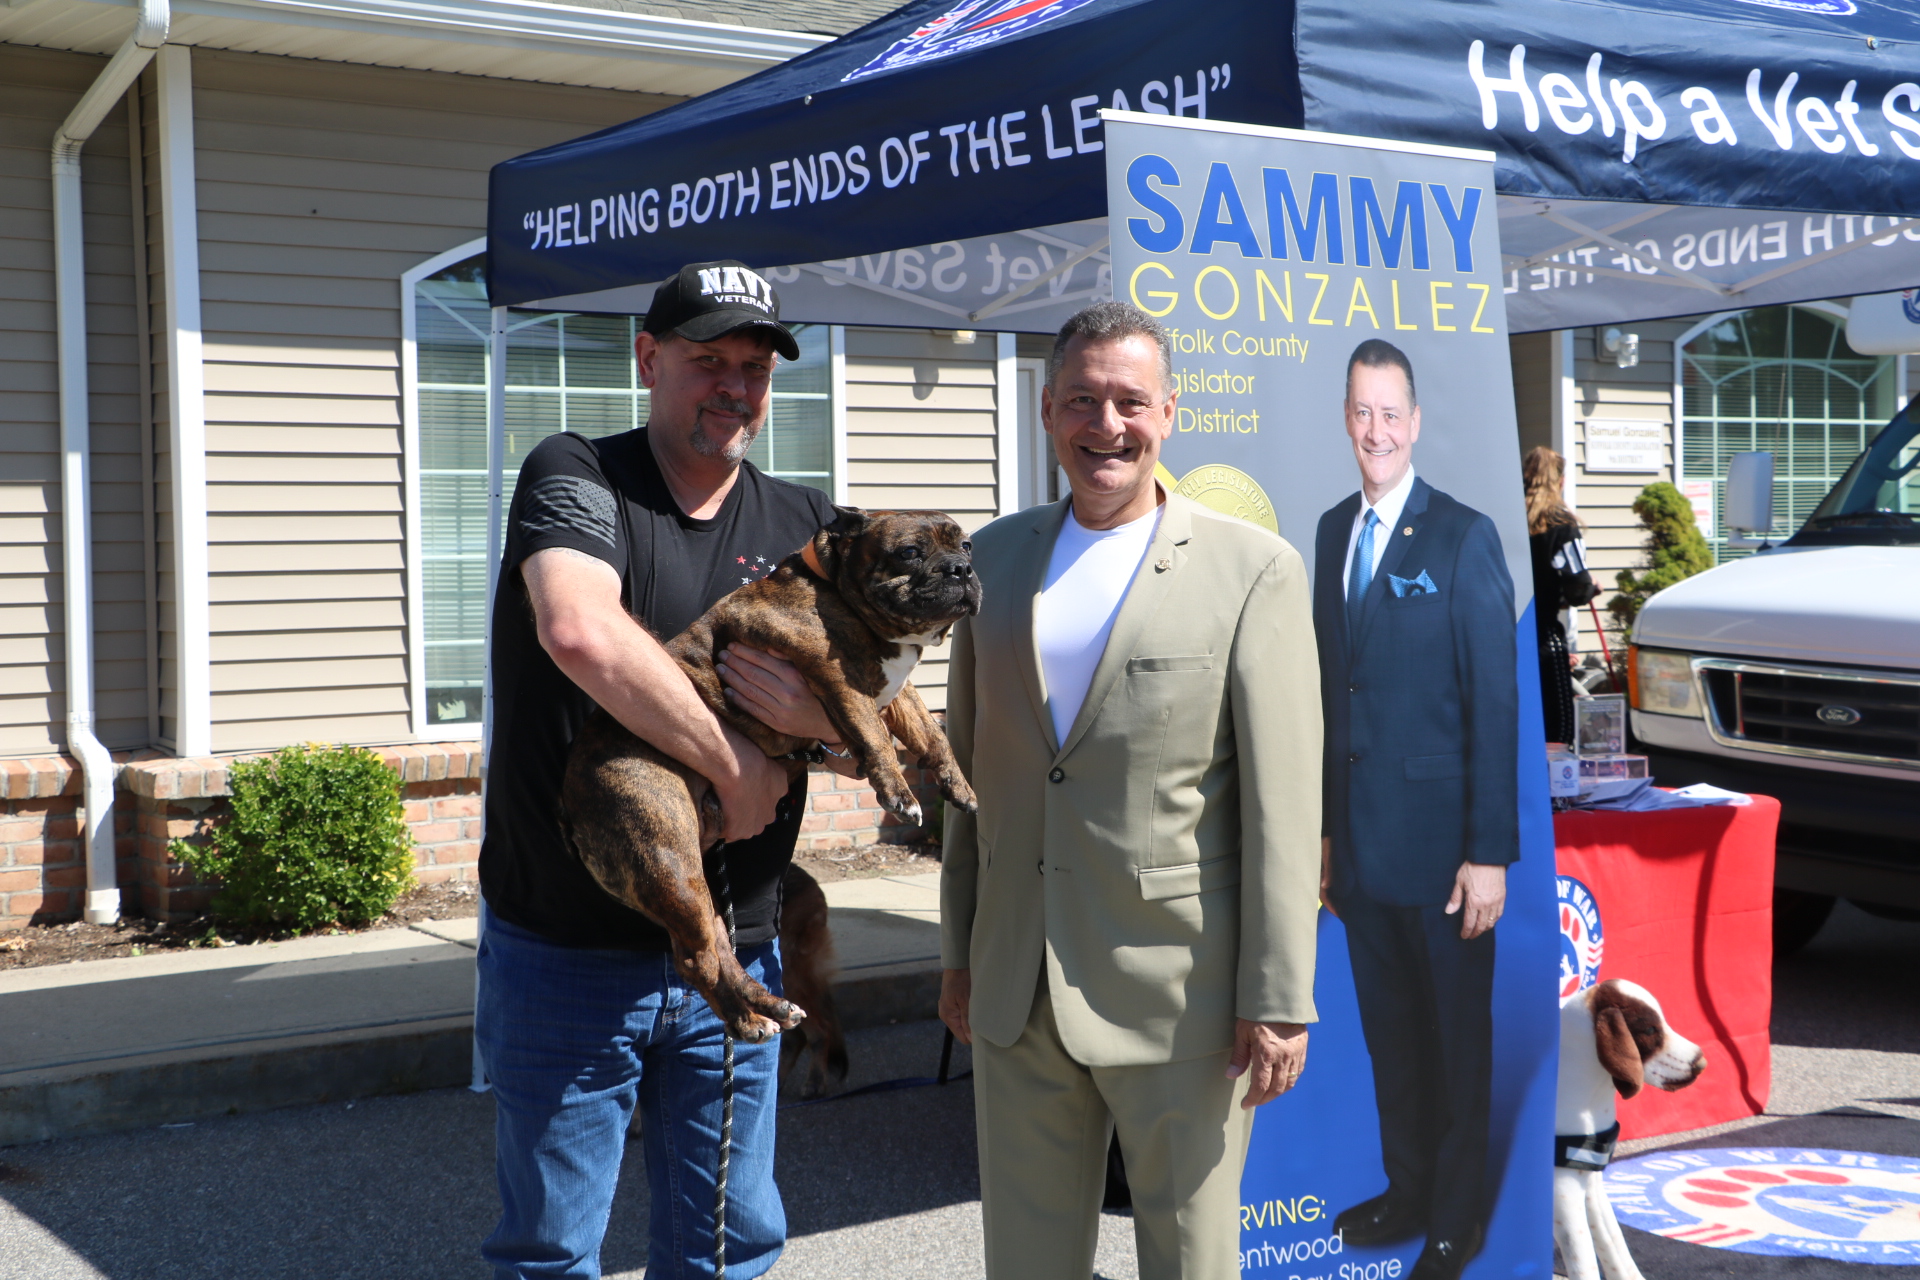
<point x="43" y="872"/>
<point x="161" y="798"/>
<point x="842" y="812"/>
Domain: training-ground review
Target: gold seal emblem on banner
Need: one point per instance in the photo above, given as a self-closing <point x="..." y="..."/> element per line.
<point x="1229" y="491"/>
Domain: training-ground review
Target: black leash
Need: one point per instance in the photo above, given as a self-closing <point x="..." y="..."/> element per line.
<point x="726" y="1098"/>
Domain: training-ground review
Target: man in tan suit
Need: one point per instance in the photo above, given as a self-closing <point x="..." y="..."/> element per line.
<point x="1128" y="923"/>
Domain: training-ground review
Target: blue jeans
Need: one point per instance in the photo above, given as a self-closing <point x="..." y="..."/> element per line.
<point x="571" y="1040"/>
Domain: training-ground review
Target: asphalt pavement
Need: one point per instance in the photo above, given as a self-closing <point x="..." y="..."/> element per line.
<point x="882" y="1185"/>
<point x="878" y="1185"/>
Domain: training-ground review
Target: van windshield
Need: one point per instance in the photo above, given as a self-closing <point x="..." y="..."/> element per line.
<point x="1877" y="503"/>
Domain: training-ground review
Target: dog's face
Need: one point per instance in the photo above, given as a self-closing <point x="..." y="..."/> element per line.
<point x="910" y="572"/>
<point x="1634" y="1042"/>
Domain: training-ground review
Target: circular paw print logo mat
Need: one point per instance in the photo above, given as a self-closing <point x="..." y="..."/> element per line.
<point x="1848" y="1206"/>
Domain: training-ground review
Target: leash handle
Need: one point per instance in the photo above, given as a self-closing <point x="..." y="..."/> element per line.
<point x="726" y="1096"/>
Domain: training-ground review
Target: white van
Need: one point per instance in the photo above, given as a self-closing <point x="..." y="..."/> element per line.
<point x="1795" y="673"/>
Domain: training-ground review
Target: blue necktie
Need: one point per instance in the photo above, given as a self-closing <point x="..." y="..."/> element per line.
<point x="1362" y="573"/>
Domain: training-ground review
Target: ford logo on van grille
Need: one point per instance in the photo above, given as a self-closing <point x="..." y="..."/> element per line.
<point x="1837" y="716"/>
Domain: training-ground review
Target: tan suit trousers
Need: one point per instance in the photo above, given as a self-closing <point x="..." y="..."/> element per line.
<point x="1044" y="1123"/>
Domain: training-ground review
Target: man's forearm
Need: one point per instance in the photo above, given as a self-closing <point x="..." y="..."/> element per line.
<point x="619" y="665"/>
<point x="638" y="683"/>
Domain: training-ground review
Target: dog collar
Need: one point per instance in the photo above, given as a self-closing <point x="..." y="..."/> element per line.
<point x="1585" y="1150"/>
<point x="812" y="559"/>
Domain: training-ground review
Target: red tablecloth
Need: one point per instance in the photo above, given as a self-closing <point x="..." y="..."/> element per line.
<point x="1686" y="911"/>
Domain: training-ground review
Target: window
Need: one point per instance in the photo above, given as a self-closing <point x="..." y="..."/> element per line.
<point x="1784" y="380"/>
<point x="565" y="372"/>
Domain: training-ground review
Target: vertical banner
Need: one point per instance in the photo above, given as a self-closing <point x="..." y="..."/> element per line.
<point x="1275" y="258"/>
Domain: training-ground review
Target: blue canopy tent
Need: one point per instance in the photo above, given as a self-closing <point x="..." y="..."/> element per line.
<point x="1651" y="162"/>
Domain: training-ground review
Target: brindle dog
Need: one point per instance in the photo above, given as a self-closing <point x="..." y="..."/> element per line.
<point x="851" y="610"/>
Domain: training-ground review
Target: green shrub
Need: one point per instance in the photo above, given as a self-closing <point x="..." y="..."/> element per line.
<point x="316" y="836"/>
<point x="1675" y="550"/>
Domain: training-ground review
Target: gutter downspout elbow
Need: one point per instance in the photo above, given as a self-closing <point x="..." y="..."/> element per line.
<point x="76" y="532"/>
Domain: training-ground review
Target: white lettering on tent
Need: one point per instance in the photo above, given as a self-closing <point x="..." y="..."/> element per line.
<point x="1561" y="95"/>
<point x="1710" y="123"/>
<point x="1649" y="122"/>
<point x="952" y="134"/>
<point x="1835" y="124"/>
<point x="1515" y="83"/>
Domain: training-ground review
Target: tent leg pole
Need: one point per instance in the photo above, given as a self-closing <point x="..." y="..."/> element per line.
<point x="496" y="522"/>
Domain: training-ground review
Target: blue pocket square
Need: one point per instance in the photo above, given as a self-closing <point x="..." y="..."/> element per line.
<point x="1420" y="586"/>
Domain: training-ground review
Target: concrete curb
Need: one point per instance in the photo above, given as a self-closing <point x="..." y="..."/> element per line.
<point x="181" y="1088"/>
<point x="185" y="1086"/>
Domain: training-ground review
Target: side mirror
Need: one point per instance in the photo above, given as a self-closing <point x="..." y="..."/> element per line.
<point x="1748" y="498"/>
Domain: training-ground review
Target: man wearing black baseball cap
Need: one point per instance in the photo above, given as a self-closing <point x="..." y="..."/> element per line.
<point x="581" y="1015"/>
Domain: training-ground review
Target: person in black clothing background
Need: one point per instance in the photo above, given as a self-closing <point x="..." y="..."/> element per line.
<point x="611" y="546"/>
<point x="1560" y="581"/>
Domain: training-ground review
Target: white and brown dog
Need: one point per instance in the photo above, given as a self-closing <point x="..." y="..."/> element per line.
<point x="1613" y="1037"/>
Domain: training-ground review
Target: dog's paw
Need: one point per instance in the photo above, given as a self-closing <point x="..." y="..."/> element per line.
<point x="783" y="1014"/>
<point x="901" y="804"/>
<point x="959" y="794"/>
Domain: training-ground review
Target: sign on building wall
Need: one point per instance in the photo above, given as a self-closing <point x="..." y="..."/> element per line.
<point x="1275" y="258"/>
<point x="1699" y="496"/>
<point x="1615" y="444"/>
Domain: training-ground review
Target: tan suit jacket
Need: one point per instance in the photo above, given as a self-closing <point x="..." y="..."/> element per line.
<point x="1163" y="862"/>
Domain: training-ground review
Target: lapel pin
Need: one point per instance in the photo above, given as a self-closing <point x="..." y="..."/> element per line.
<point x="1408" y="531"/>
<point x="1163" y="564"/>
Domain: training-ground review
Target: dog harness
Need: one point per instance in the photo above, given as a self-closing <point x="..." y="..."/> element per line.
<point x="1585" y="1150"/>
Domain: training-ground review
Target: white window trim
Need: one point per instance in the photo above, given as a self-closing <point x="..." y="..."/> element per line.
<point x="837" y="408"/>
<point x="1678" y="405"/>
<point x="410" y="491"/>
<point x="1036" y="446"/>
<point x="1006" y="381"/>
<point x="187" y="407"/>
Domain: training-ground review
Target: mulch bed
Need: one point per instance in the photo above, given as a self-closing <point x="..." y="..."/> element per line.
<point x="44" y="944"/>
<point x="867" y="860"/>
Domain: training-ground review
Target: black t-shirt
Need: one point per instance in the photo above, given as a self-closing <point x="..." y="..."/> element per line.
<point x="611" y="502"/>
<point x="1560" y="576"/>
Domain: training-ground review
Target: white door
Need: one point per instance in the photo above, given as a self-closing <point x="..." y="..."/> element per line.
<point x="1040" y="478"/>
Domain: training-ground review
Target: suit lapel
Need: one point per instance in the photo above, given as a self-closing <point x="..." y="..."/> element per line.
<point x="1330" y="572"/>
<point x="1399" y="543"/>
<point x="1151" y="582"/>
<point x="1027" y="582"/>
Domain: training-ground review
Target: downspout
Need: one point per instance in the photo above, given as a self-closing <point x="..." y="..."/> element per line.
<point x="76" y="524"/>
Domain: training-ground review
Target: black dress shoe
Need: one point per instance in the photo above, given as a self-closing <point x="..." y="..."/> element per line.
<point x="1385" y="1219"/>
<point x="1445" y="1257"/>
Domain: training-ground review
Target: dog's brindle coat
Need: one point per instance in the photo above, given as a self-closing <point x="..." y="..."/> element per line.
<point x="852" y="611"/>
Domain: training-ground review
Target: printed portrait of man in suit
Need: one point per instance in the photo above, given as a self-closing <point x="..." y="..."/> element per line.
<point x="1413" y="613"/>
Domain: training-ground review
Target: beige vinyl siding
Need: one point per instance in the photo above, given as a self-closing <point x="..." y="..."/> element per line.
<point x="1532" y="360"/>
<point x="921" y="434"/>
<point x="1603" y="390"/>
<point x="37" y="90"/>
<point x="318" y="185"/>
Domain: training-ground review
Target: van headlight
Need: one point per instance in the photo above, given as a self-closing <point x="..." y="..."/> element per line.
<point x="1663" y="683"/>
